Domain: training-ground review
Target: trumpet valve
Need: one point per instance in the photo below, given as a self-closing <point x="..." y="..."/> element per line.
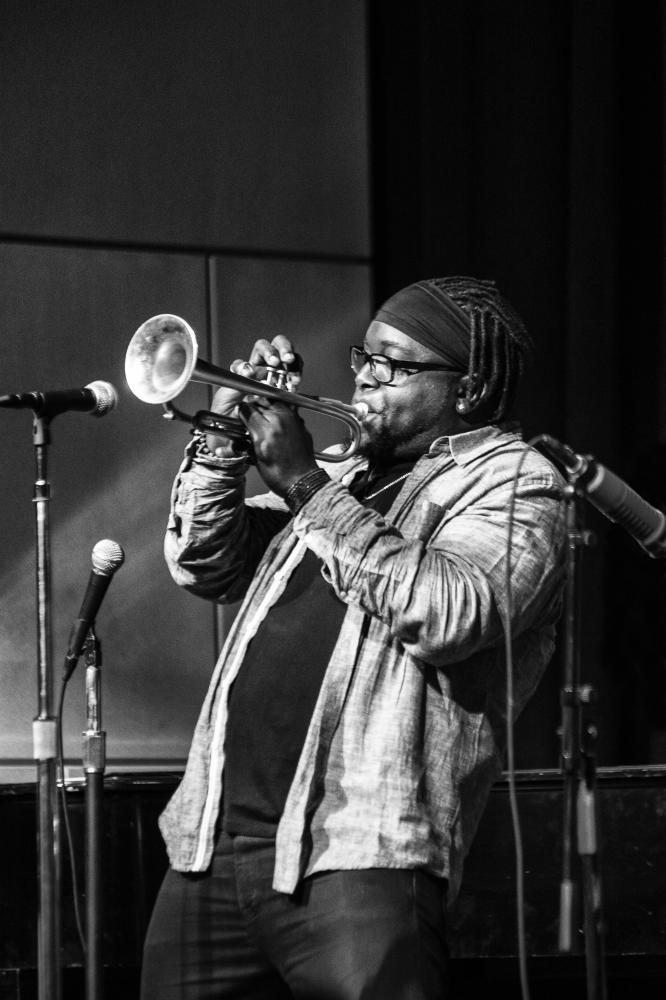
<point x="279" y="378"/>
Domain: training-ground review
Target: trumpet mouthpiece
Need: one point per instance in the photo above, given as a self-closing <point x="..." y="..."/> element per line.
<point x="361" y="410"/>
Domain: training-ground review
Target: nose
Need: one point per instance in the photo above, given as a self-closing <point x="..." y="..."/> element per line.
<point x="364" y="379"/>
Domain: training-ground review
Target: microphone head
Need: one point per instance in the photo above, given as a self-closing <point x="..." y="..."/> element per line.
<point x="106" y="397"/>
<point x="107" y="557"/>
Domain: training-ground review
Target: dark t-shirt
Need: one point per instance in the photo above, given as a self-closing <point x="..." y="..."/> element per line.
<point x="274" y="694"/>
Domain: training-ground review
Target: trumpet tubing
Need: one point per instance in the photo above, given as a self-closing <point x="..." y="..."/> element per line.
<point x="163" y="357"/>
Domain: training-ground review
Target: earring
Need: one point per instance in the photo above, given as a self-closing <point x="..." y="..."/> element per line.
<point x="466" y="390"/>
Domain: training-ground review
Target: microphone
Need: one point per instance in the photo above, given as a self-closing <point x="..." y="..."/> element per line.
<point x="97" y="398"/>
<point x="107" y="557"/>
<point x="613" y="497"/>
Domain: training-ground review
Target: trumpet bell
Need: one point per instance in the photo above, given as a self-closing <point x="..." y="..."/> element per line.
<point x="161" y="358"/>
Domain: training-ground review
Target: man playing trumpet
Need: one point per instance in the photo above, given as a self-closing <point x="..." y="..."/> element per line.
<point x="356" y="717"/>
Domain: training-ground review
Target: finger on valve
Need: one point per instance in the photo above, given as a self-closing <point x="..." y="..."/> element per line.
<point x="278" y="363"/>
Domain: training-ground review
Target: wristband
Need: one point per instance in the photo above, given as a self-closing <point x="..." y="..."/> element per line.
<point x="300" y="492"/>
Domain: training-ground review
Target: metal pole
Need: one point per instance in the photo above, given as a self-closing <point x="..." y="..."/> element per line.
<point x="94" y="762"/>
<point x="44" y="739"/>
<point x="570" y="728"/>
<point x="577" y="759"/>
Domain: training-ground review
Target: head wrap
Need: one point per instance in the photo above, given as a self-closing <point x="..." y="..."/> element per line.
<point x="427" y="314"/>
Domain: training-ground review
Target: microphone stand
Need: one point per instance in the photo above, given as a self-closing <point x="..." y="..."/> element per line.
<point x="44" y="737"/>
<point x="94" y="762"/>
<point x="579" y="774"/>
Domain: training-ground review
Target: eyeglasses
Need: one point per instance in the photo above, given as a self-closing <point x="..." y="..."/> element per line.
<point x="383" y="369"/>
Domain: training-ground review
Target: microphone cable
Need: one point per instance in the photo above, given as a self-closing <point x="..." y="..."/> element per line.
<point x="510" y="747"/>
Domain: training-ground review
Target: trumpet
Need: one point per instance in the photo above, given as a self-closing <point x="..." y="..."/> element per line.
<point x="163" y="356"/>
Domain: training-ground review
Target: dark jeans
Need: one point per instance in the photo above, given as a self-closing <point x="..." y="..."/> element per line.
<point x="346" y="935"/>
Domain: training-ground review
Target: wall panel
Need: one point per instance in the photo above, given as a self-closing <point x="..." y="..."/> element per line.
<point x="67" y="316"/>
<point x="322" y="307"/>
<point x="217" y="123"/>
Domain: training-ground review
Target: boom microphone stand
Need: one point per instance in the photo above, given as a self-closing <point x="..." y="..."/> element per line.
<point x="588" y="478"/>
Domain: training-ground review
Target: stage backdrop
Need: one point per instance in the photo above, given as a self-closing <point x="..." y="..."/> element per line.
<point x="264" y="165"/>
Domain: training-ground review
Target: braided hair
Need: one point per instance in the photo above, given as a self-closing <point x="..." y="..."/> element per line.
<point x="499" y="340"/>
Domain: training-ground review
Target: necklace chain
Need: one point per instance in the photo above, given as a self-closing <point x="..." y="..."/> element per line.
<point x="393" y="482"/>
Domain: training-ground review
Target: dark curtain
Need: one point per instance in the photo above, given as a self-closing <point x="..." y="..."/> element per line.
<point x="524" y="141"/>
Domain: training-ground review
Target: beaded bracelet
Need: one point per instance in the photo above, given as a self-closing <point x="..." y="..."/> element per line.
<point x="201" y="445"/>
<point x="300" y="492"/>
<point x="203" y="452"/>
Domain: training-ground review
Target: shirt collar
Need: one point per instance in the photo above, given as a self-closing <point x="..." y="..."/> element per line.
<point x="470" y="445"/>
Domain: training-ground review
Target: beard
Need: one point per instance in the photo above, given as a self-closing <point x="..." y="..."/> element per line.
<point x="384" y="441"/>
<point x="383" y="448"/>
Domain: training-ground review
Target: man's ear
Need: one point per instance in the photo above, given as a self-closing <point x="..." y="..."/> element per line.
<point x="471" y="393"/>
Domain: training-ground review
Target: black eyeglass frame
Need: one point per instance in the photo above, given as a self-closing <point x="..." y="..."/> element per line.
<point x="401" y="364"/>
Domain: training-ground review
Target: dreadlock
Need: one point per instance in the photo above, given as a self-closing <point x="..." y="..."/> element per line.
<point x="499" y="340"/>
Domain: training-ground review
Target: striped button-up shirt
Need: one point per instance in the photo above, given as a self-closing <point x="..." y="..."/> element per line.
<point x="408" y="731"/>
